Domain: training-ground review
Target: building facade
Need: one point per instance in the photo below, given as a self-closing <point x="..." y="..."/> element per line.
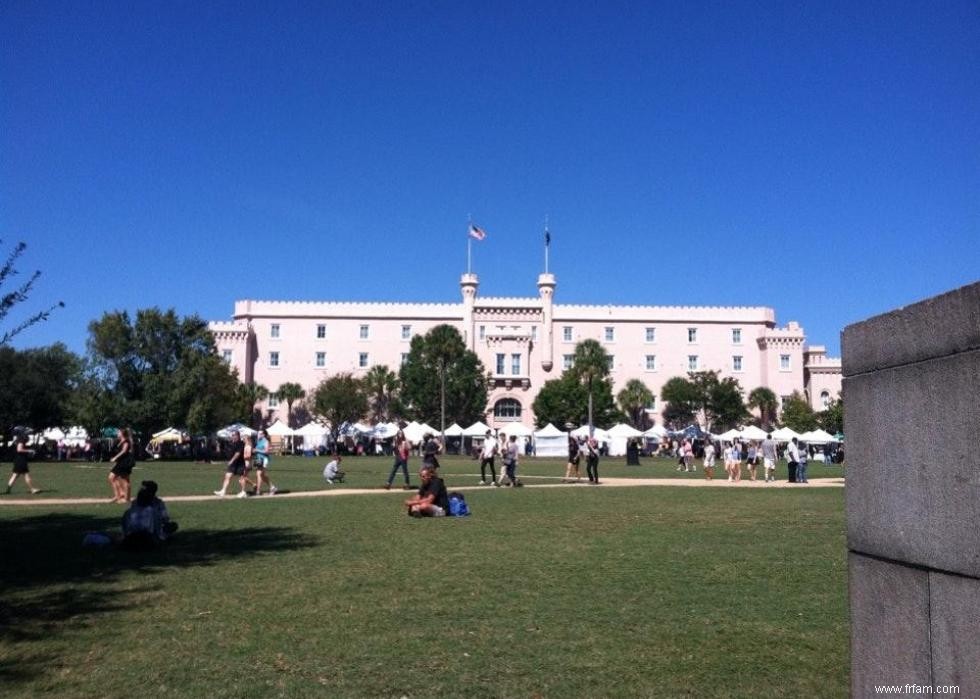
<point x="524" y="342"/>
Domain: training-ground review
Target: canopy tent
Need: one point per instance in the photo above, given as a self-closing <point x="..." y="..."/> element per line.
<point x="550" y="441"/>
<point x="730" y="435"/>
<point x="53" y="434"/>
<point x="784" y="434"/>
<point x="361" y="428"/>
<point x="601" y="435"/>
<point x="619" y="435"/>
<point x="690" y="432"/>
<point x="817" y="437"/>
<point x="385" y="430"/>
<point x="278" y="429"/>
<point x="454" y="430"/>
<point x="171" y="434"/>
<point x="656" y="432"/>
<point x="76" y="436"/>
<point x="753" y="433"/>
<point x="314" y="435"/>
<point x="516" y="429"/>
<point x="243" y="430"/>
<point x="477" y="429"/>
<point x="414" y="432"/>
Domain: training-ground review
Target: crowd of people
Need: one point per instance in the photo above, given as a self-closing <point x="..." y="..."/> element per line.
<point x="752" y="453"/>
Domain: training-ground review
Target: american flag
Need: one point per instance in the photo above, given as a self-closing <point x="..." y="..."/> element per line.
<point x="476" y="232"/>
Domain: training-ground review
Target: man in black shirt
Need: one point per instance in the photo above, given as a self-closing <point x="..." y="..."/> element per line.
<point x="432" y="499"/>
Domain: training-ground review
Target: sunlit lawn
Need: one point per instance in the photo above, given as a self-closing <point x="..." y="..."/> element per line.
<point x="576" y="592"/>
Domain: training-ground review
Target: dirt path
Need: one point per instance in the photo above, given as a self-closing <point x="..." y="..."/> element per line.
<point x="606" y="483"/>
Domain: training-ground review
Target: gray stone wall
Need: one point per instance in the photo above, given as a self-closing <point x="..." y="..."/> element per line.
<point x="912" y="420"/>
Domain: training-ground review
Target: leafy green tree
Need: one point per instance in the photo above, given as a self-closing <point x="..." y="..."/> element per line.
<point x="380" y="384"/>
<point x="291" y="393"/>
<point x="36" y="386"/>
<point x="158" y="371"/>
<point x="797" y="413"/>
<point x="247" y="395"/>
<point x="440" y="370"/>
<point x="590" y="365"/>
<point x="565" y="400"/>
<point x="832" y="418"/>
<point x="704" y="397"/>
<point x="682" y="401"/>
<point x="340" y="399"/>
<point x="724" y="408"/>
<point x="765" y="401"/>
<point x="633" y="401"/>
<point x="18" y="295"/>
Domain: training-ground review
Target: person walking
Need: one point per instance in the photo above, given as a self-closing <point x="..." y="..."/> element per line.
<point x="122" y="468"/>
<point x="21" y="457"/>
<point x="769" y="458"/>
<point x="709" y="460"/>
<point x="487" y="454"/>
<point x="510" y="456"/>
<point x="431" y="448"/>
<point x="752" y="460"/>
<point x="574" y="456"/>
<point x="592" y="460"/>
<point x="802" y="463"/>
<point x="260" y="462"/>
<point x="236" y="467"/>
<point x="793" y="458"/>
<point x="402" y="451"/>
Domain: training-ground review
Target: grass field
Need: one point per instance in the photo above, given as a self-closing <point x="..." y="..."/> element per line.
<point x="574" y="592"/>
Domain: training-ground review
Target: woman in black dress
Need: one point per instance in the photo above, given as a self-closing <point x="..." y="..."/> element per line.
<point x="20" y="465"/>
<point x="122" y="468"/>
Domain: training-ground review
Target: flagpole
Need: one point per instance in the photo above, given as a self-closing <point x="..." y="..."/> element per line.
<point x="547" y="244"/>
<point x="469" y="253"/>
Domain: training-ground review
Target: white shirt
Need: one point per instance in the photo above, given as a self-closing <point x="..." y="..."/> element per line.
<point x="330" y="472"/>
<point x="489" y="447"/>
<point x="792" y="452"/>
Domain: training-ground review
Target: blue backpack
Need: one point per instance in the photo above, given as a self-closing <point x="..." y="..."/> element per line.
<point x="457" y="505"/>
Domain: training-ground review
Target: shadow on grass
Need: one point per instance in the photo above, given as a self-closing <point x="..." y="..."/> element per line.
<point x="51" y="584"/>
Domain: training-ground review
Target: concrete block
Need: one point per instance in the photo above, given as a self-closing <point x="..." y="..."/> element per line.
<point x="936" y="327"/>
<point x="913" y="478"/>
<point x="889" y="625"/>
<point x="955" y="617"/>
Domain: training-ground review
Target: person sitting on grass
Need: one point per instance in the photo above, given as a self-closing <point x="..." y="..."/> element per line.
<point x="432" y="499"/>
<point x="146" y="523"/>
<point x="332" y="472"/>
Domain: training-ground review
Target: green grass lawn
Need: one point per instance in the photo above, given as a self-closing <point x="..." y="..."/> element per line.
<point x="81" y="479"/>
<point x="576" y="592"/>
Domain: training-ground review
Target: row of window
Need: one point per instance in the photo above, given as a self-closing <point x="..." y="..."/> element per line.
<point x="363" y="331"/>
<point x="515" y="364"/>
<point x="693" y="362"/>
<point x="609" y="334"/>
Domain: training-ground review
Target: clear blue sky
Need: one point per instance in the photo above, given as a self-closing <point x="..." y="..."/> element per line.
<point x="820" y="158"/>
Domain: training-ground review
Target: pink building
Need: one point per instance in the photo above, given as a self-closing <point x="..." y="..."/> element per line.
<point x="524" y="342"/>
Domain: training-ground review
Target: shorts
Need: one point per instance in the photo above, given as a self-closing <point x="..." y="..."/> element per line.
<point x="709" y="462"/>
<point x="260" y="462"/>
<point x="434" y="511"/>
<point x="21" y="467"/>
<point x="122" y="470"/>
<point x="236" y="469"/>
<point x="769" y="463"/>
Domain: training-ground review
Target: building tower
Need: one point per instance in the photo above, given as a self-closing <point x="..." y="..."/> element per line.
<point x="546" y="289"/>
<point x="468" y="284"/>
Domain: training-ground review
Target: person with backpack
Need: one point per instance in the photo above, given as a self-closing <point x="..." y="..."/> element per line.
<point x="431" y="448"/>
<point x="432" y="500"/>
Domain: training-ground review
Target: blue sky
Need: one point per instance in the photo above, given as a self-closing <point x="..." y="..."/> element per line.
<point x="819" y="158"/>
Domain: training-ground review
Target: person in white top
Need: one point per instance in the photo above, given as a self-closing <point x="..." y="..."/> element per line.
<point x="793" y="457"/>
<point x="487" y="455"/>
<point x="709" y="460"/>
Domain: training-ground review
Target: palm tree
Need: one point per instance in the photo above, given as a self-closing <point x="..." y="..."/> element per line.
<point x="765" y="400"/>
<point x="250" y="394"/>
<point x="590" y="364"/>
<point x="633" y="400"/>
<point x="380" y="384"/>
<point x="290" y="392"/>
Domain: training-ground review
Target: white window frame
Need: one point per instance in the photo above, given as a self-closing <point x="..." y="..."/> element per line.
<point x="363" y="360"/>
<point x="320" y="360"/>
<point x="364" y="332"/>
<point x="274" y="362"/>
<point x="694" y="365"/>
<point x="736" y="336"/>
<point x="406" y="332"/>
<point x="534" y="333"/>
<point x="515" y="364"/>
<point x="567" y="333"/>
<point x="567" y="361"/>
<point x="273" y="401"/>
<point x="825" y="399"/>
<point x="609" y="332"/>
<point x="611" y="361"/>
<point x="275" y="331"/>
<point x="650" y="335"/>
<point x="738" y="363"/>
<point x="692" y="336"/>
<point x="482" y="333"/>
<point x="404" y="357"/>
<point x="501" y="363"/>
<point x="788" y="364"/>
<point x="321" y="331"/>
<point x="650" y="362"/>
<point x="228" y="356"/>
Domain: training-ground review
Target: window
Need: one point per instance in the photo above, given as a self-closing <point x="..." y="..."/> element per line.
<point x="501" y="358"/>
<point x="483" y="332"/>
<point x="566" y="333"/>
<point x="737" y="363"/>
<point x="364" y="332"/>
<point x="692" y="362"/>
<point x="784" y="363"/>
<point x="692" y="335"/>
<point x="534" y="332"/>
<point x="824" y="399"/>
<point x="321" y="331"/>
<point x="273" y="400"/>
<point x="567" y="361"/>
<point x="404" y="357"/>
<point x="226" y="355"/>
<point x="321" y="360"/>
<point x="651" y="362"/>
<point x="610" y="361"/>
<point x="362" y="360"/>
<point x="610" y="334"/>
<point x="406" y="332"/>
<point x="736" y="336"/>
<point x="507" y="409"/>
<point x="651" y="335"/>
<point x="274" y="330"/>
<point x="273" y="359"/>
<point x="515" y="364"/>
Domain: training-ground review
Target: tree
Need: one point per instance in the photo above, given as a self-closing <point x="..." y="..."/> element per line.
<point x="18" y="295"/>
<point x="36" y="386"/>
<point x="441" y="379"/>
<point x="247" y="395"/>
<point x="797" y="413"/>
<point x="765" y="401"/>
<point x="725" y="408"/>
<point x="832" y="418"/>
<point x="158" y="371"/>
<point x="705" y="397"/>
<point x="590" y="365"/>
<point x="682" y="402"/>
<point x="380" y="384"/>
<point x="633" y="400"/>
<point x="340" y="399"/>
<point x="565" y="401"/>
<point x="290" y="392"/>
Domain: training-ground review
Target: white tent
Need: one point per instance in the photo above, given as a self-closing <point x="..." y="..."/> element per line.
<point x="361" y="428"/>
<point x="656" y="432"/>
<point x="171" y="434"/>
<point x="477" y="429"/>
<point x="414" y="432"/>
<point x="243" y="430"/>
<point x="550" y="441"/>
<point x="76" y="436"/>
<point x="619" y="435"/>
<point x="278" y="429"/>
<point x="385" y="430"/>
<point x="429" y="429"/>
<point x="516" y="429"/>
<point x="784" y="434"/>
<point x="314" y="435"/>
<point x="753" y="433"/>
<point x="730" y="435"/>
<point x="454" y="430"/>
<point x="601" y="436"/>
<point x="53" y="434"/>
<point x="817" y="437"/>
